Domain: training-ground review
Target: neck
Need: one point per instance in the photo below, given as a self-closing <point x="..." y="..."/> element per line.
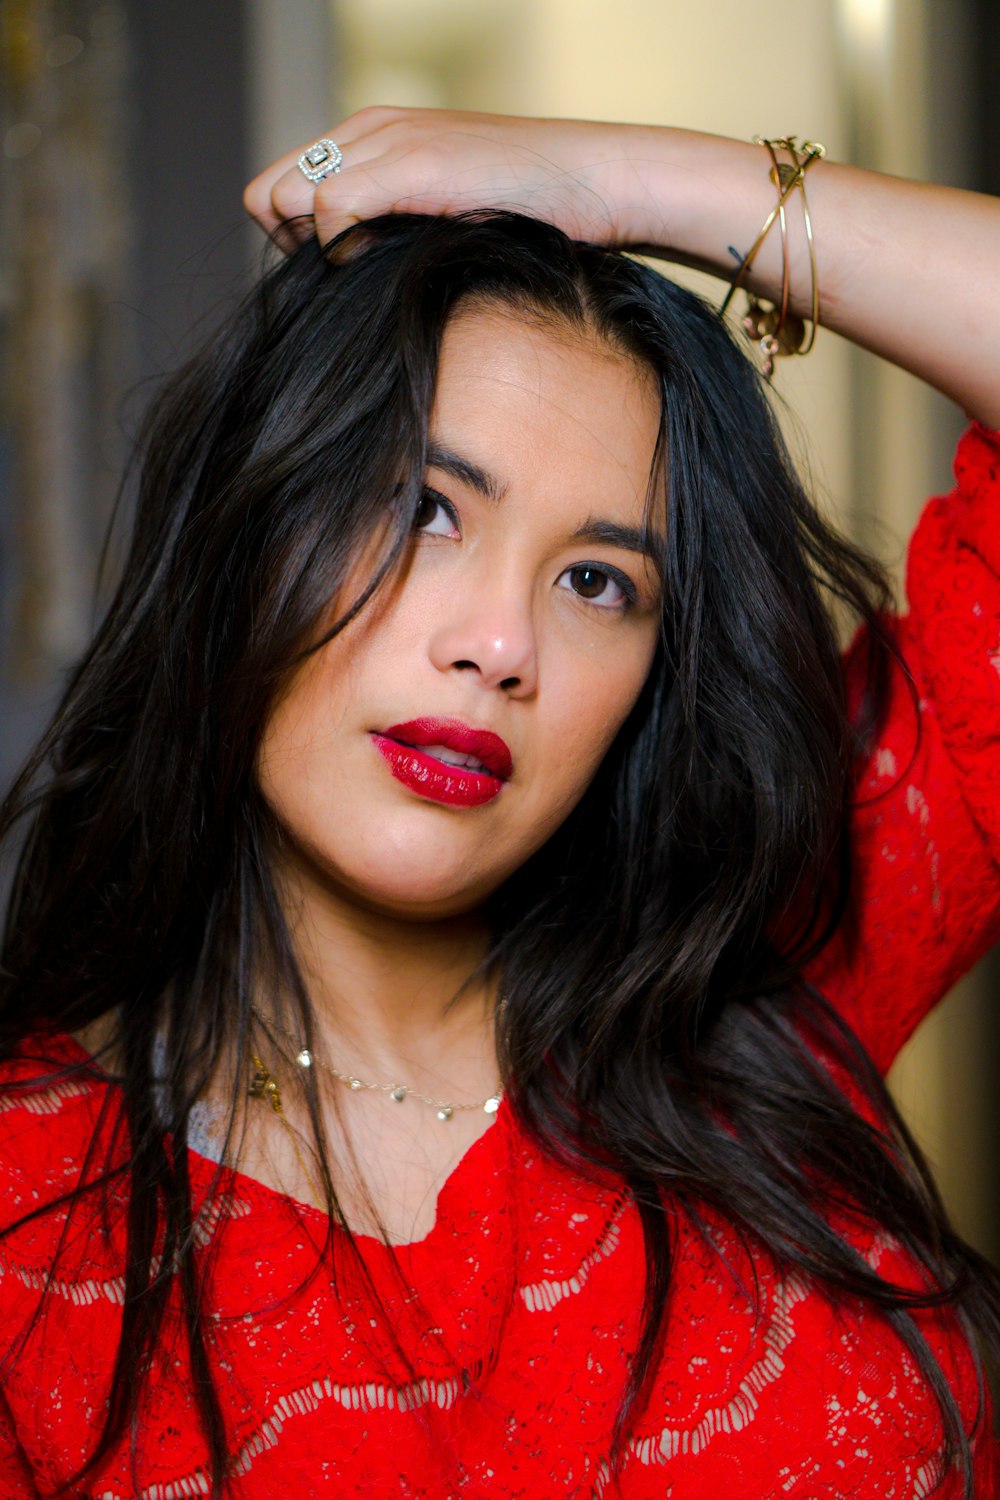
<point x="393" y="999"/>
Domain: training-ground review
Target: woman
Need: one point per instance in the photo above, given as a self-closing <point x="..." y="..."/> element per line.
<point x="467" y="904"/>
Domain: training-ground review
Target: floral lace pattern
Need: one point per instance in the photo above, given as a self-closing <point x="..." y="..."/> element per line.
<point x="494" y="1359"/>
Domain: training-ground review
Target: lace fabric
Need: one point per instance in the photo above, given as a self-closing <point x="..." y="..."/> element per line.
<point x="503" y="1374"/>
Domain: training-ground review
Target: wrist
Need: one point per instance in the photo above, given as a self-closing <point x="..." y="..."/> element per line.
<point x="684" y="192"/>
<point x="701" y="200"/>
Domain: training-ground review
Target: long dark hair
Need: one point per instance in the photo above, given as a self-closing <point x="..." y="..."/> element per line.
<point x="651" y="1026"/>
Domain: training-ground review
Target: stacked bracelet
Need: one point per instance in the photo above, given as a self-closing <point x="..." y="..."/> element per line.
<point x="769" y="323"/>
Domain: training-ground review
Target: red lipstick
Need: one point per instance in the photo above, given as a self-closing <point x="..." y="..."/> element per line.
<point x="475" y="766"/>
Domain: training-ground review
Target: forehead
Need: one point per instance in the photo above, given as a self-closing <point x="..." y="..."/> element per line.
<point x="541" y="403"/>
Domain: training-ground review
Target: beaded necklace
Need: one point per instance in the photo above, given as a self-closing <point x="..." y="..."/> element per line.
<point x="398" y="1092"/>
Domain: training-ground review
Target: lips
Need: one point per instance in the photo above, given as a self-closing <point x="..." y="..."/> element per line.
<point x="446" y="761"/>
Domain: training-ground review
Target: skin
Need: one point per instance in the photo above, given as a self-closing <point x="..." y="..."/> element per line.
<point x="488" y="625"/>
<point x="909" y="270"/>
<point x="483" y="627"/>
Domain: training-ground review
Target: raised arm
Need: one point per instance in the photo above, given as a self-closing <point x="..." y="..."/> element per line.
<point x="906" y="269"/>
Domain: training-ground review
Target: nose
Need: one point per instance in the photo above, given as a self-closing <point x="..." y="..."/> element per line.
<point x="492" y="635"/>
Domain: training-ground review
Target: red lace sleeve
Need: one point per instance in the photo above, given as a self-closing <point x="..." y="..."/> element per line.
<point x="16" y="1482"/>
<point x="926" y="826"/>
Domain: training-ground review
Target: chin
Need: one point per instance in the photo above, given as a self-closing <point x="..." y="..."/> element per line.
<point x="415" y="879"/>
<point x="417" y="900"/>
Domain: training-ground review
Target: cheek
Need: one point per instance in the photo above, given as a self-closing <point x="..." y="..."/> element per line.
<point x="297" y="758"/>
<point x="325" y="691"/>
<point x="587" y="715"/>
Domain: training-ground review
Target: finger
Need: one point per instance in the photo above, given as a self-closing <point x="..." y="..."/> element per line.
<point x="297" y="208"/>
<point x="282" y="192"/>
<point x="401" y="174"/>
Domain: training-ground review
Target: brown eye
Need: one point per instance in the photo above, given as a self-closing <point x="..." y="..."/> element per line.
<point x="589" y="583"/>
<point x="425" y="511"/>
<point x="600" y="586"/>
<point x="434" y="515"/>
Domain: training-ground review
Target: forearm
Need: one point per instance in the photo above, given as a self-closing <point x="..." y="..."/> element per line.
<point x="908" y="270"/>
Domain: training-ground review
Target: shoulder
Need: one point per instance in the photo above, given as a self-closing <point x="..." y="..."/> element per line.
<point x="62" y="1240"/>
<point x="57" y="1129"/>
<point x="62" y="1230"/>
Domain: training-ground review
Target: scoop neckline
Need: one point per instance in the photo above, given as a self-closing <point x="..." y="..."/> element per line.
<point x="208" y="1166"/>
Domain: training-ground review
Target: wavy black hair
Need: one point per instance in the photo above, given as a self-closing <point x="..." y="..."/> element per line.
<point x="651" y="1024"/>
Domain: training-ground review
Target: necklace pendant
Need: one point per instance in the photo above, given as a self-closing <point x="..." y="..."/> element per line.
<point x="258" y="1083"/>
<point x="355" y="1083"/>
<point x="263" y="1086"/>
<point x="304" y="1059"/>
<point x="445" y="1112"/>
<point x="398" y="1093"/>
<point x="492" y="1104"/>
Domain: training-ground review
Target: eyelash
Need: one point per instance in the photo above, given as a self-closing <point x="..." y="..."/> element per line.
<point x="622" y="580"/>
<point x="613" y="575"/>
<point x="446" y="506"/>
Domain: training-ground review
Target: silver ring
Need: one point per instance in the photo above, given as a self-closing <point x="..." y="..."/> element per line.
<point x="320" y="159"/>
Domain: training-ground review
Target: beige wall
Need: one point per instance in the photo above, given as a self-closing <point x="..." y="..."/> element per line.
<point x="851" y="73"/>
<point x="657" y="61"/>
<point x="729" y="67"/>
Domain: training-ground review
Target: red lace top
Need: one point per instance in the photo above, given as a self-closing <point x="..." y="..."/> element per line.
<point x="531" y="1277"/>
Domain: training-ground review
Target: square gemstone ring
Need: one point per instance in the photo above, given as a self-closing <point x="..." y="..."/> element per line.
<point x="320" y="160"/>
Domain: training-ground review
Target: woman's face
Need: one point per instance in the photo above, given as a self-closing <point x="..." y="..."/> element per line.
<point x="527" y="614"/>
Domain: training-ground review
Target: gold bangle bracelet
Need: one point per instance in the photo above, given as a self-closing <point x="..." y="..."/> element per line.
<point x="772" y="327"/>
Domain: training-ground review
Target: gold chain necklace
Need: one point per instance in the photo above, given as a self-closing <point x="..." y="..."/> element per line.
<point x="398" y="1092"/>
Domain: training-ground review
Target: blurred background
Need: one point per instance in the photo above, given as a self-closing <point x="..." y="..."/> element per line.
<point x="129" y="129"/>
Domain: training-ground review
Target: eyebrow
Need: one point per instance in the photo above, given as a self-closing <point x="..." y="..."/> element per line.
<point x="602" y="532"/>
<point x="463" y="469"/>
<point x="632" y="538"/>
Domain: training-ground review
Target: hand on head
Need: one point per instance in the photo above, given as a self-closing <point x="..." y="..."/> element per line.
<point x="699" y="200"/>
<point x="442" y="161"/>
